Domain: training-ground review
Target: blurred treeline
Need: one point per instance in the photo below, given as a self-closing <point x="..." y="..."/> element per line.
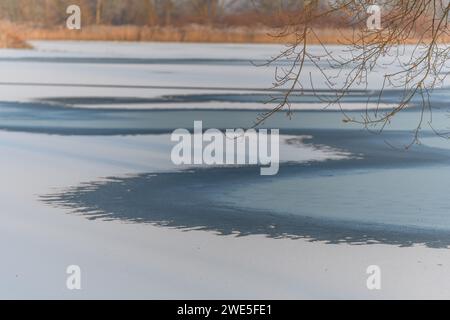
<point x="153" y="12"/>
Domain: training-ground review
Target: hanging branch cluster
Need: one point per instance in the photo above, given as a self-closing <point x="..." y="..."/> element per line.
<point x="409" y="47"/>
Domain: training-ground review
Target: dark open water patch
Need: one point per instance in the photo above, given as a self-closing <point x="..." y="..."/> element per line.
<point x="188" y="200"/>
<point x="358" y="97"/>
<point x="260" y="98"/>
<point x="58" y="116"/>
<point x="180" y="201"/>
<point x="55" y="118"/>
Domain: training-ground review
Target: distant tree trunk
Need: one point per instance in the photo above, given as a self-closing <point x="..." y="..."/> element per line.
<point x="212" y="11"/>
<point x="152" y="16"/>
<point x="47" y="5"/>
<point x="168" y="8"/>
<point x="98" y="12"/>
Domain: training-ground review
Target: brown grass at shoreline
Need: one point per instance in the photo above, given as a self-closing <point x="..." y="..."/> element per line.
<point x="157" y="34"/>
<point x="192" y="33"/>
<point x="11" y="39"/>
<point x="12" y="35"/>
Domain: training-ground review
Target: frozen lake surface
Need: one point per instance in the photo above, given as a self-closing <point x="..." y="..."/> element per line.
<point x="87" y="180"/>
